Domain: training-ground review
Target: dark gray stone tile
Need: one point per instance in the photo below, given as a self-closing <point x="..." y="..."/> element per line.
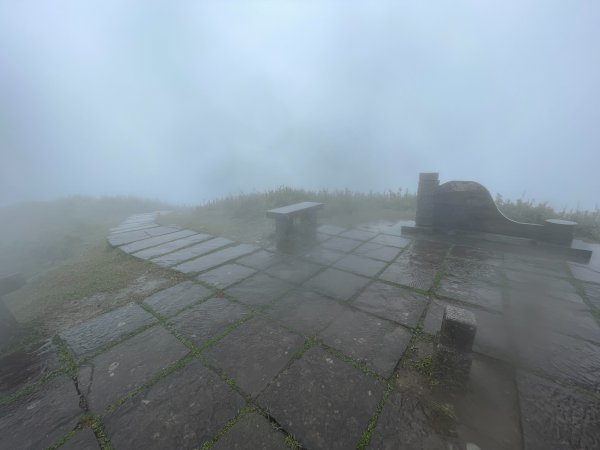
<point x="545" y="267"/>
<point x="252" y="431"/>
<point x="171" y="300"/>
<point x="592" y="292"/>
<point x="84" y="440"/>
<point x="259" y="290"/>
<point x="392" y="241"/>
<point x="194" y="251"/>
<point x="26" y="366"/>
<point x="481" y="255"/>
<point x="377" y="343"/>
<point x="427" y="251"/>
<point x="156" y="240"/>
<point x="491" y="337"/>
<point x="466" y="268"/>
<point x="94" y="334"/>
<point x="359" y="235"/>
<point x="305" y="311"/>
<point x="378" y="251"/>
<point x="360" y="265"/>
<point x="254" y="353"/>
<point x="530" y="281"/>
<point x="585" y="273"/>
<point x="475" y="292"/>
<point x="407" y="423"/>
<point x="554" y="417"/>
<point x="337" y="284"/>
<point x="549" y="313"/>
<point x="312" y="403"/>
<point x="172" y="246"/>
<point x="133" y="227"/>
<point x="341" y="244"/>
<point x="37" y="419"/>
<point x="410" y="273"/>
<point x="330" y="229"/>
<point x="294" y="270"/>
<point x="562" y="357"/>
<point x="392" y="303"/>
<point x="111" y="375"/>
<point x="118" y="239"/>
<point x="322" y="256"/>
<point x="215" y="259"/>
<point x="182" y="411"/>
<point x="224" y="276"/>
<point x="208" y="319"/>
<point x="260" y="260"/>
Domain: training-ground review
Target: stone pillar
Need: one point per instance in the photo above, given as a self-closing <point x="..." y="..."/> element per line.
<point x="428" y="184"/>
<point x="454" y="353"/>
<point x="284" y="231"/>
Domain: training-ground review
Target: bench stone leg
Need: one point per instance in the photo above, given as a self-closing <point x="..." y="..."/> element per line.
<point x="309" y="226"/>
<point x="284" y="233"/>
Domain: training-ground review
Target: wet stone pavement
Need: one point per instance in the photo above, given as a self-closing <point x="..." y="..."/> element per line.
<point x="328" y="349"/>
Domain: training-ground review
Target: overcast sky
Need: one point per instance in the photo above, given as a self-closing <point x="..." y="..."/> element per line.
<point x="185" y="101"/>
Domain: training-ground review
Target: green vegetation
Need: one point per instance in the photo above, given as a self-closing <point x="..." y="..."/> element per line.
<point x="532" y="212"/>
<point x="242" y="217"/>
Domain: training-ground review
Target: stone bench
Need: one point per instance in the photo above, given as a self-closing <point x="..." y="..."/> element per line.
<point x="295" y="224"/>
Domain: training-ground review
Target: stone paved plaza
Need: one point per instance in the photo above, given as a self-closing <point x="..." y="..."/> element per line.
<point x="323" y="350"/>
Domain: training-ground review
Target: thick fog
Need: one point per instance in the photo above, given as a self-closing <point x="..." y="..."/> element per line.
<point x="185" y="101"/>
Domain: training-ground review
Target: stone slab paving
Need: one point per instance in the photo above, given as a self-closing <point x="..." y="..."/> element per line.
<point x="253" y="354"/>
<point x="27" y="365"/>
<point x="94" y="334"/>
<point x="306" y="312"/>
<point x="181" y="411"/>
<point x="172" y="246"/>
<point x="330" y="229"/>
<point x="360" y="265"/>
<point x="259" y="290"/>
<point x="84" y="440"/>
<point x="171" y="300"/>
<point x="110" y="375"/>
<point x="392" y="303"/>
<point x="118" y="239"/>
<point x="26" y="422"/>
<point x="556" y="417"/>
<point x="359" y="235"/>
<point x="407" y="423"/>
<point x="206" y="320"/>
<point x="154" y="241"/>
<point x="478" y="293"/>
<point x="252" y="431"/>
<point x="207" y="246"/>
<point x="294" y="270"/>
<point x="337" y="283"/>
<point x="378" y="251"/>
<point x="322" y="256"/>
<point x="224" y="276"/>
<point x="353" y="300"/>
<point x="341" y="244"/>
<point x="585" y="273"/>
<point x="215" y="259"/>
<point x="414" y="274"/>
<point x="377" y="343"/>
<point x="310" y="400"/>
<point x="261" y="259"/>
<point x="561" y="357"/>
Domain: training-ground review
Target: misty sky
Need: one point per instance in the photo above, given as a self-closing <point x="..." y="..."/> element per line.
<point x="185" y="101"/>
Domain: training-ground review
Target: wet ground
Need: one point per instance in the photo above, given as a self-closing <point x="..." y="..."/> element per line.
<point x="333" y="348"/>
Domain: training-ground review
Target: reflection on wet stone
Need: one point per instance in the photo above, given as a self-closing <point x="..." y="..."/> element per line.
<point x="171" y="300"/>
<point x="410" y="273"/>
